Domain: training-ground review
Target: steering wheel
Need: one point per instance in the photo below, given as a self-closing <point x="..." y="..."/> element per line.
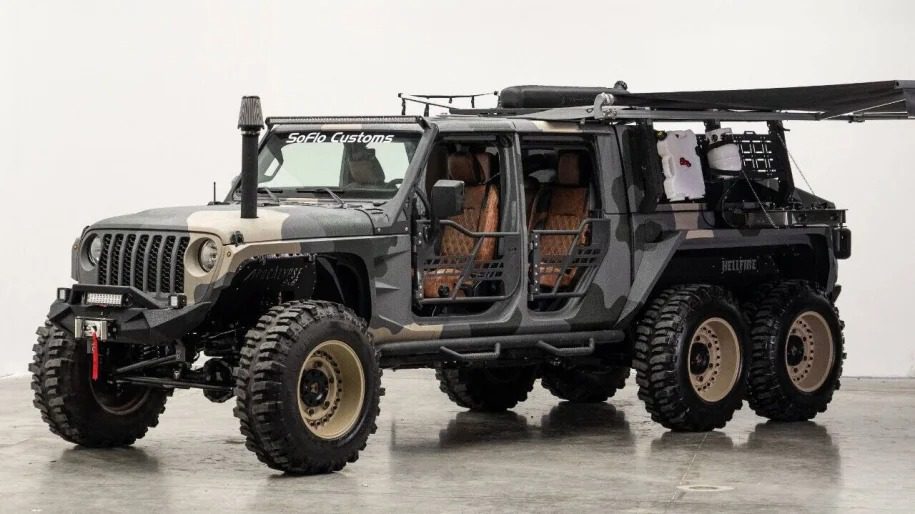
<point x="394" y="182"/>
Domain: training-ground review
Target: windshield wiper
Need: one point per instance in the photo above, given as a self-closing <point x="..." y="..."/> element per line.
<point x="269" y="193"/>
<point x="236" y="194"/>
<point x="333" y="195"/>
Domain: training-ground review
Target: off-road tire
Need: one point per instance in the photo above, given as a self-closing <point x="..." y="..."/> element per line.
<point x="668" y="323"/>
<point x="267" y="383"/>
<point x="584" y="386"/>
<point x="487" y="389"/>
<point x="772" y="310"/>
<point x="61" y="380"/>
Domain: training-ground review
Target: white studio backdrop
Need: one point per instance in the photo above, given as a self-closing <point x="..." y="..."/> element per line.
<point x="110" y="107"/>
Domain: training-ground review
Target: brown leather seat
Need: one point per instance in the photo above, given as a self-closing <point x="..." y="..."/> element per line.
<point x="564" y="207"/>
<point x="480" y="214"/>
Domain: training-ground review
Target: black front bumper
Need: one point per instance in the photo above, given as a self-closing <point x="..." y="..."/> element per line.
<point x="141" y="320"/>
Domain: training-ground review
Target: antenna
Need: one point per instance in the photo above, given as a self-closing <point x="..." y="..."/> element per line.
<point x="214" y="192"/>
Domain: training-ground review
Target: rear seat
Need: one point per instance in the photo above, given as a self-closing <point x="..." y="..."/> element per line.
<point x="538" y="168"/>
<point x="561" y="206"/>
<point x="480" y="214"/>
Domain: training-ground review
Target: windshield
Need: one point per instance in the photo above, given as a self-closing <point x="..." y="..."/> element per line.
<point x="351" y="163"/>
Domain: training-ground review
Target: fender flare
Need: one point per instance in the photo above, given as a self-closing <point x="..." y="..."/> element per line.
<point x="654" y="259"/>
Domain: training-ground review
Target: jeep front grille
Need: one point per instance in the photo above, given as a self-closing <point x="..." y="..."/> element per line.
<point x="149" y="261"/>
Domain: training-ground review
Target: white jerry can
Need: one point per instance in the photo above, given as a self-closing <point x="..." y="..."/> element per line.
<point x="682" y="168"/>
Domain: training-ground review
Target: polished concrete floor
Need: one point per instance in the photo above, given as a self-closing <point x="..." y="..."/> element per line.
<point x="430" y="456"/>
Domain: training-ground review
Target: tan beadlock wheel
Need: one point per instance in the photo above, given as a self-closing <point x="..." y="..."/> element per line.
<point x="809" y="353"/>
<point x="331" y="389"/>
<point x="714" y="359"/>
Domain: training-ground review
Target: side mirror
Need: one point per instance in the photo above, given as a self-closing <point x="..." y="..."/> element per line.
<point x="447" y="198"/>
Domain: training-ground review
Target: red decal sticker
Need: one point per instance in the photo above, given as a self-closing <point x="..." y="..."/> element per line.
<point x="684" y="162"/>
<point x="94" y="356"/>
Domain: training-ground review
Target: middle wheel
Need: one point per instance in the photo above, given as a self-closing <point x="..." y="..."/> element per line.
<point x="691" y="357"/>
<point x="487" y="389"/>
<point x="579" y="385"/>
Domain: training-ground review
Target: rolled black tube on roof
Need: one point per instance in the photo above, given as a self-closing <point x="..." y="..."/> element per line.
<point x="889" y="99"/>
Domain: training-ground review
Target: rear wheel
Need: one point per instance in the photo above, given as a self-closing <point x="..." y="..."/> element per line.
<point x="94" y="413"/>
<point x="584" y="385"/>
<point x="797" y="351"/>
<point x="487" y="389"/>
<point x="691" y="358"/>
<point x="308" y="387"/>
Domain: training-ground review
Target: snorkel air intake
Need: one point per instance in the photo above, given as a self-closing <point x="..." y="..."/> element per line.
<point x="250" y="122"/>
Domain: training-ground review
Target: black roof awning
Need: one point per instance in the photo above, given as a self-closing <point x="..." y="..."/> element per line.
<point x="891" y="99"/>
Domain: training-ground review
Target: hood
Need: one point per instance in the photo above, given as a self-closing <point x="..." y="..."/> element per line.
<point x="273" y="223"/>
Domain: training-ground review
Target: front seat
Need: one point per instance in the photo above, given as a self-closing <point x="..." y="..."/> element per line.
<point x="480" y="214"/>
<point x="364" y="168"/>
<point x="561" y="206"/>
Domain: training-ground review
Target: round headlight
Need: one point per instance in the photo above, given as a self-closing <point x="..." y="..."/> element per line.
<point x="209" y="252"/>
<point x="95" y="250"/>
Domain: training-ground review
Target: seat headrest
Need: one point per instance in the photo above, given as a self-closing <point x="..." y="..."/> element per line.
<point x="367" y="172"/>
<point x="569" y="172"/>
<point x="472" y="169"/>
<point x="485" y="161"/>
<point x="537" y="162"/>
<point x="461" y="167"/>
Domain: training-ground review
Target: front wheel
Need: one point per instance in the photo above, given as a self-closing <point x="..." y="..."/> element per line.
<point x="93" y="413"/>
<point x="308" y="387"/>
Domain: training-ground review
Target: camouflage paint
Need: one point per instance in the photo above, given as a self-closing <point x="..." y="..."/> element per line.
<point x="641" y="243"/>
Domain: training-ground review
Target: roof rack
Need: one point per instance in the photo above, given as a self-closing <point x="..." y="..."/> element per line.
<point x="849" y="102"/>
<point x="429" y="100"/>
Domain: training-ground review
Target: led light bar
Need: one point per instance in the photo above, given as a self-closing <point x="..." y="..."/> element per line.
<point x="110" y="299"/>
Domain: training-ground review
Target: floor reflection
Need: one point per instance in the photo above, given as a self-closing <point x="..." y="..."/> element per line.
<point x="574" y="419"/>
<point x="482" y="427"/>
<point x="714" y="440"/>
<point x="113" y="461"/>
<point x="88" y="473"/>
<point x="793" y="458"/>
<point x="564" y="420"/>
<point x="805" y="448"/>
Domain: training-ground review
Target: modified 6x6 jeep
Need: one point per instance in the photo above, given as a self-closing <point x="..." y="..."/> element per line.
<point x="563" y="235"/>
